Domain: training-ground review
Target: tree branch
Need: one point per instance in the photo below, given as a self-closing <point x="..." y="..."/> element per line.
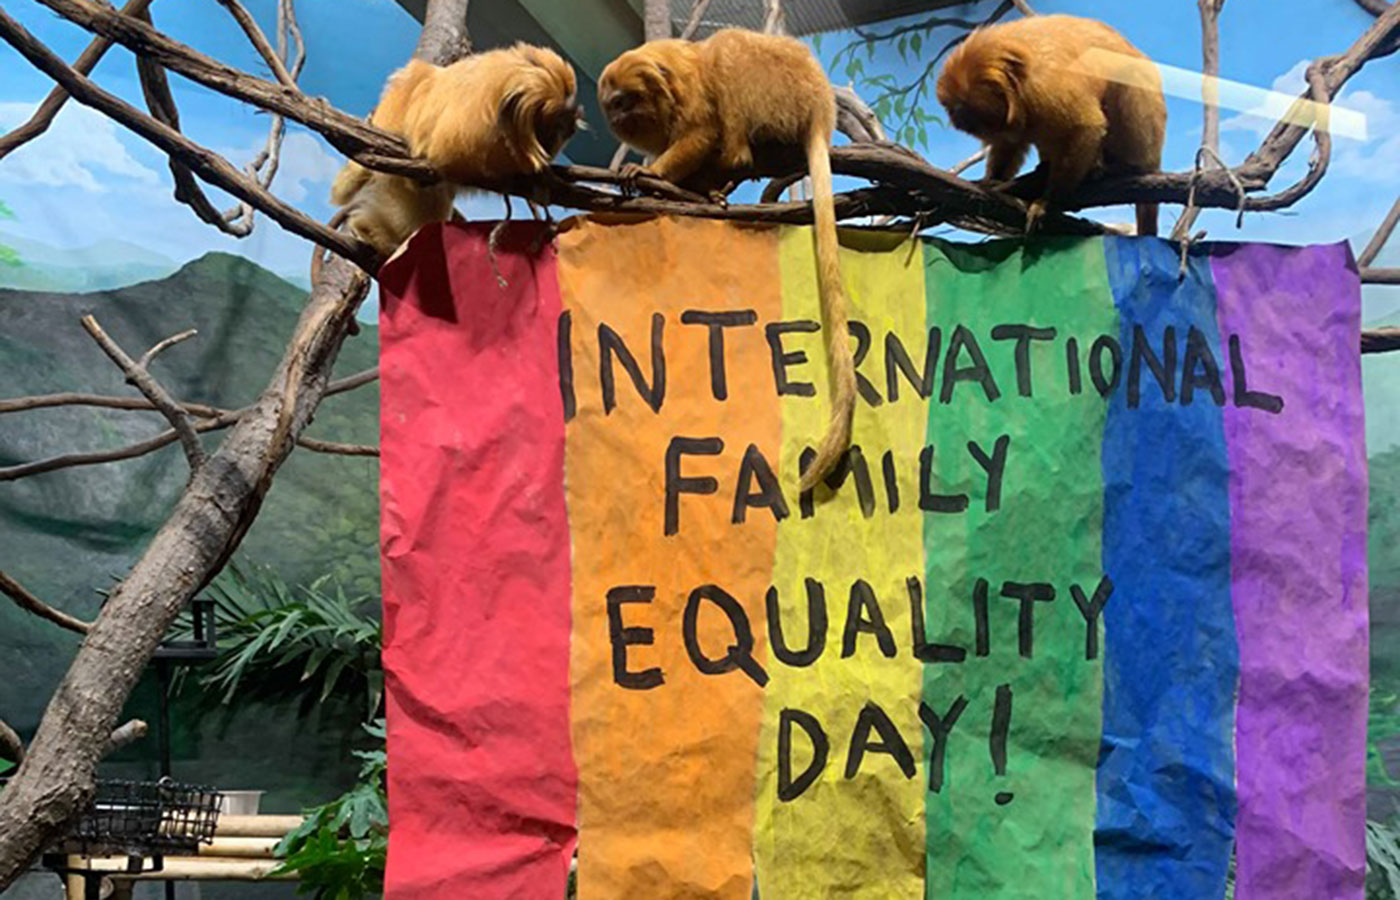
<point x="155" y="88"/>
<point x="1380" y="276"/>
<point x="212" y="419"/>
<point x="1383" y="233"/>
<point x="207" y="164"/>
<point x="1336" y="71"/>
<point x="259" y="41"/>
<point x="32" y="604"/>
<point x="239" y="220"/>
<point x="48" y="109"/>
<point x="1210" y="100"/>
<point x="337" y="448"/>
<point x="10" y="743"/>
<point x="348" y="134"/>
<point x="137" y="376"/>
<point x="133" y="731"/>
<point x="697" y="15"/>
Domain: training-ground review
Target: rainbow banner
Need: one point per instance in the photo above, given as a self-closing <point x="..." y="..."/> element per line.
<point x="1081" y="614"/>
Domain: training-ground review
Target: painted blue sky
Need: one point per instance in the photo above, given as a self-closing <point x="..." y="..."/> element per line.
<point x="88" y="191"/>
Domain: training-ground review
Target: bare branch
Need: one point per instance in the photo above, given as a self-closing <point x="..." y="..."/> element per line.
<point x="697" y="15"/>
<point x="1210" y="98"/>
<point x="357" y="139"/>
<point x="131" y="451"/>
<point x="239" y="220"/>
<point x="1335" y="70"/>
<point x="1380" y="276"/>
<point x="337" y="448"/>
<point x="1322" y="150"/>
<point x="968" y="163"/>
<point x="212" y="418"/>
<point x="143" y="381"/>
<point x="1023" y="7"/>
<point x="70" y="398"/>
<point x="155" y="88"/>
<point x="32" y="604"/>
<point x="10" y="743"/>
<point x="773" y="20"/>
<point x="48" y="109"/>
<point x="162" y="346"/>
<point x="207" y="164"/>
<point x="1373" y="247"/>
<point x="855" y="119"/>
<point x="133" y="731"/>
<point x="259" y="41"/>
<point x="1380" y="340"/>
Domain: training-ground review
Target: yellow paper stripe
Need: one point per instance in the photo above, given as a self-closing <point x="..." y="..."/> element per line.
<point x="822" y="843"/>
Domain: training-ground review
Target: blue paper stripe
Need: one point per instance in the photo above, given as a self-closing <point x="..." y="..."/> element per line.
<point x="1166" y="787"/>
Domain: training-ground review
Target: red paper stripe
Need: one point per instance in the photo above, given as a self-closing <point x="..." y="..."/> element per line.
<point x="475" y="545"/>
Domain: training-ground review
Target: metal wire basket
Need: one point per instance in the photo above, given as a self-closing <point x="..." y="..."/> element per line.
<point x="147" y="818"/>
<point x="144" y="818"/>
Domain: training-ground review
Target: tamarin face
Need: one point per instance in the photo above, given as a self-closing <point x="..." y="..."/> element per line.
<point x="636" y="97"/>
<point x="544" y="100"/>
<point x="978" y="89"/>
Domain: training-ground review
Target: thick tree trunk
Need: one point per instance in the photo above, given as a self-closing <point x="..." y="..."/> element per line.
<point x="444" y="38"/>
<point x="55" y="780"/>
<point x="656" y="21"/>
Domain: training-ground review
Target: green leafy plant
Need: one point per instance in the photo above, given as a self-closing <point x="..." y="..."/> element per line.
<point x="274" y="638"/>
<point x="1382" y="861"/>
<point x="1383" y="722"/>
<point x="338" y="852"/>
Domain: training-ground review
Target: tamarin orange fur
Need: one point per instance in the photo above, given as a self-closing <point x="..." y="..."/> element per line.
<point x="703" y="109"/>
<point x="1039" y="81"/>
<point x="486" y="117"/>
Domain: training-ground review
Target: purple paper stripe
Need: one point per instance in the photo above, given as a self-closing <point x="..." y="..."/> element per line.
<point x="1298" y="569"/>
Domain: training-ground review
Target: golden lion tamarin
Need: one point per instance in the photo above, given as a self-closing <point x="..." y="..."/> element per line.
<point x="703" y="110"/>
<point x="1073" y="87"/>
<point x="483" y="118"/>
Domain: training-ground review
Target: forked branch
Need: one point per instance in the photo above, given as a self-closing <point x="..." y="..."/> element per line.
<point x="138" y="376"/>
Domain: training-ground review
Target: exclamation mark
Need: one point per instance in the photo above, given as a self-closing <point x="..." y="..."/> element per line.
<point x="1001" y="725"/>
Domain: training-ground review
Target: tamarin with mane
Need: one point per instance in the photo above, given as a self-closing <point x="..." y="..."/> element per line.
<point x="486" y="117"/>
<point x="702" y="110"/>
<point x="1072" y="87"/>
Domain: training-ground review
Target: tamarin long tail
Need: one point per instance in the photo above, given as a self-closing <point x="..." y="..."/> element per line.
<point x="840" y="360"/>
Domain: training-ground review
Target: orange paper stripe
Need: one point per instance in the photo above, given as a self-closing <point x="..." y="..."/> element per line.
<point x="650" y="760"/>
